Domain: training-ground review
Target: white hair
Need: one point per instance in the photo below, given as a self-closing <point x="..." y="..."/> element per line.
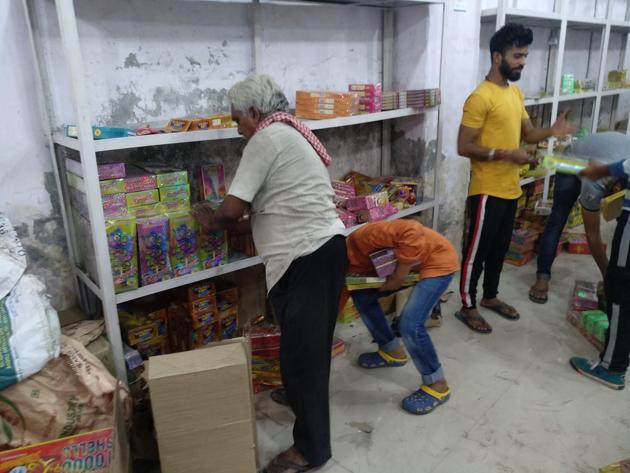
<point x="260" y="92"/>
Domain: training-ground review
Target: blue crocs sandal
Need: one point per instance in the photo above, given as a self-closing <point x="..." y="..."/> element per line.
<point x="424" y="400"/>
<point x="593" y="370"/>
<point x="380" y="359"/>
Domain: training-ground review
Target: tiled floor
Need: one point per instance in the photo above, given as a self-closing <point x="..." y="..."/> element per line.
<point x="517" y="405"/>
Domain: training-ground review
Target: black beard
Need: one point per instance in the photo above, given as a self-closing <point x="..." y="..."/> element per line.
<point x="510" y="74"/>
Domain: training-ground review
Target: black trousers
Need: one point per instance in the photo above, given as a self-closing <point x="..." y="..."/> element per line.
<point x="305" y="302"/>
<point x="490" y="221"/>
<point x="617" y="284"/>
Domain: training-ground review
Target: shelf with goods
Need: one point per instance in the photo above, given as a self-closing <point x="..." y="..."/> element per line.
<point x="582" y="36"/>
<point x="259" y="42"/>
<point x="162" y="139"/>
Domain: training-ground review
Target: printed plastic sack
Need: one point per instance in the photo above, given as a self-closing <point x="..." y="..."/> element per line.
<point x="12" y="257"/>
<point x="73" y="394"/>
<point x="29" y="326"/>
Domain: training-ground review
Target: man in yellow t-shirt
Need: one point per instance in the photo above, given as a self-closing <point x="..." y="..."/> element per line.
<point x="493" y="124"/>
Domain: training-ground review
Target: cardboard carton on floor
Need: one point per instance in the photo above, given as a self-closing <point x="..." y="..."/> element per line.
<point x="203" y="409"/>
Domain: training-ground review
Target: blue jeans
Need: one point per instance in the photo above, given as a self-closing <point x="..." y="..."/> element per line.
<point x="424" y="296"/>
<point x="565" y="195"/>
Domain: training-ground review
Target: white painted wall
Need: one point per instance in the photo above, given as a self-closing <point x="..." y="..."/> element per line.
<point x="25" y="164"/>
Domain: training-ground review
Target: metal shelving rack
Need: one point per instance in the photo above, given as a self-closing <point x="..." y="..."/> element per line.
<point x="561" y="20"/>
<point x="88" y="148"/>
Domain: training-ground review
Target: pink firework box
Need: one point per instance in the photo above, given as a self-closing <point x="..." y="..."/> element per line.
<point x="342" y="188"/>
<point x="140" y="183"/>
<point x="372" y="107"/>
<point x="153" y="249"/>
<point x="384" y="262"/>
<point x="376" y="213"/>
<point x="348" y="218"/>
<point x="213" y="182"/>
<point x="114" y="204"/>
<point x="111" y="171"/>
<point x="369" y="201"/>
<point x="366" y="89"/>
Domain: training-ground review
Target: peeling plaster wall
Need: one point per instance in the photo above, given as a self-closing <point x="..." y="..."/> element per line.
<point x="28" y="193"/>
<point x="179" y="58"/>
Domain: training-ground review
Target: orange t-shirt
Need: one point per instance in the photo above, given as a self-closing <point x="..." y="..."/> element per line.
<point x="412" y="243"/>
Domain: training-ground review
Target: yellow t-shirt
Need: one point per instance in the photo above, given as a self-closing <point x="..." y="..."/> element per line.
<point x="499" y="113"/>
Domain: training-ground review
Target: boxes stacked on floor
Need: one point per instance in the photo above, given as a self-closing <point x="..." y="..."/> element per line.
<point x="316" y="105"/>
<point x="586" y="315"/>
<point x="522" y="246"/>
<point x="361" y="199"/>
<point x="370" y="96"/>
<point x="265" y="343"/>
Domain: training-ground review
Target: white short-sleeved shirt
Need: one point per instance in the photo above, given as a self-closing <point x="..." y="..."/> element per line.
<point x="288" y="186"/>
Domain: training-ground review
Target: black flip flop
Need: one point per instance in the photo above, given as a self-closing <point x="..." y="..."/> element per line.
<point x="537" y="299"/>
<point x="278" y="463"/>
<point x="459" y="315"/>
<point x="503" y="310"/>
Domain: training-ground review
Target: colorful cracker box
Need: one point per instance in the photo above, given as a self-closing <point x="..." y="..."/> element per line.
<point x="123" y="256"/>
<point x="585" y="296"/>
<point x="175" y="193"/>
<point x="153" y="250"/>
<point x="204" y="336"/>
<point x="175" y="125"/>
<point x="228" y="326"/>
<point x="376" y="213"/>
<point x="612" y="206"/>
<point x="112" y="186"/>
<point x="111" y="171"/>
<point x="369" y="201"/>
<point x="213" y="249"/>
<point x="135" y="199"/>
<point x="344" y="188"/>
<point x="113" y="203"/>
<point x="154" y="347"/>
<point x="201" y="306"/>
<point x="139" y="183"/>
<point x="174" y="178"/>
<point x="199" y="124"/>
<point x="91" y="451"/>
<point x="265" y="342"/>
<point x="212" y="182"/>
<point x="146" y="211"/>
<point x="183" y="243"/>
<point x="384" y="262"/>
<point x="221" y="120"/>
<point x="369" y="89"/>
<point x="200" y="291"/>
<point x="348" y="218"/>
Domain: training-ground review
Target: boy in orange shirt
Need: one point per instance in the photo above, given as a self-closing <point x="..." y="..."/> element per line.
<point x="432" y="255"/>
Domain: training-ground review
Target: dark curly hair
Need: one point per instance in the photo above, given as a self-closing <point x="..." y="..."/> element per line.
<point x="512" y="34"/>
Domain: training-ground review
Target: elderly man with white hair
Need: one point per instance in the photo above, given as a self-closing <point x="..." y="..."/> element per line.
<point x="283" y="183"/>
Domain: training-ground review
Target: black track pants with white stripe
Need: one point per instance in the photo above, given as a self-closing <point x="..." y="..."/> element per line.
<point x="490" y="221"/>
<point x="615" y="356"/>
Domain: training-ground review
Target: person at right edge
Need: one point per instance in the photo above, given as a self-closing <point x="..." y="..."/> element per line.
<point x="610" y="369"/>
<point x="493" y="124"/>
<point x="603" y="148"/>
